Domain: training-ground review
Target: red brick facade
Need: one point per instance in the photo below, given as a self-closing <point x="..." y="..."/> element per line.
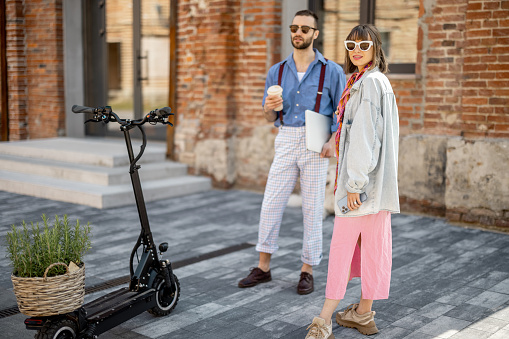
<point x="225" y="48"/>
<point x="35" y="69"/>
<point x="463" y="69"/>
<point x="224" y="51"/>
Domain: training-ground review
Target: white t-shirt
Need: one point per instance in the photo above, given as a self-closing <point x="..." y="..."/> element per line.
<point x="300" y="75"/>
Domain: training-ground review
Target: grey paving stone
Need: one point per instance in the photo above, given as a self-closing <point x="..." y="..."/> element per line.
<point x="502" y="313"/>
<point x="259" y="333"/>
<point x="469" y="312"/>
<point x="444" y="327"/>
<point x="412" y="322"/>
<point x="434" y="310"/>
<point x="179" y="334"/>
<point x="232" y="330"/>
<point x="489" y="280"/>
<point x="454" y="298"/>
<point x="206" y="326"/>
<point x="437" y="270"/>
<point x="233" y="315"/>
<point x="393" y="332"/>
<point x="302" y="315"/>
<point x="13" y="327"/>
<point x="470" y="291"/>
<point x="489" y="299"/>
<point x="419" y="335"/>
<point x="501" y="287"/>
<point x="501" y="334"/>
<point x="404" y="259"/>
<point x="259" y="319"/>
<point x="279" y="329"/>
<point x="416" y="299"/>
<point x="470" y="333"/>
<point x="490" y="324"/>
<point x="390" y="311"/>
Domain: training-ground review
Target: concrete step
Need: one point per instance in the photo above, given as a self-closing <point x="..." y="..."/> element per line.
<point x="88" y="151"/>
<point x="99" y="196"/>
<point x="88" y="173"/>
<point x="92" y="171"/>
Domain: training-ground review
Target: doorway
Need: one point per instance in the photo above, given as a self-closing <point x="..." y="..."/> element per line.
<point x="135" y="73"/>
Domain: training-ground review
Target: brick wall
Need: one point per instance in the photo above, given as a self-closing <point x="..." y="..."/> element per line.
<point x="464" y="66"/>
<point x="17" y="72"/>
<point x="485" y="99"/>
<point x="224" y="52"/>
<point x="463" y="77"/>
<point x="35" y="69"/>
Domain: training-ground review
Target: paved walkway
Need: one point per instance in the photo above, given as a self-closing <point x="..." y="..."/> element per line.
<point x="447" y="281"/>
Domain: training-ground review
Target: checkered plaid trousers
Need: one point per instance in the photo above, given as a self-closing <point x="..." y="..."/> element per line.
<point x="291" y="159"/>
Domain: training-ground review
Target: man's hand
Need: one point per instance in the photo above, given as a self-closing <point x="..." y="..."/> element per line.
<point x="271" y="102"/>
<point x="329" y="147"/>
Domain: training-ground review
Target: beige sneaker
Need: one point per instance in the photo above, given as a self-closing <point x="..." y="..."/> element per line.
<point x="319" y="330"/>
<point x="364" y="323"/>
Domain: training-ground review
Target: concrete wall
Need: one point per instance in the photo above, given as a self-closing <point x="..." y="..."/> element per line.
<point x="477" y="181"/>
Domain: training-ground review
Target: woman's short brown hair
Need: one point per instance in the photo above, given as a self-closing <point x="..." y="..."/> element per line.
<point x="364" y="32"/>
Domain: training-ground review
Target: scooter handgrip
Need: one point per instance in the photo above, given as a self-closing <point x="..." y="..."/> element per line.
<point x="82" y="109"/>
<point x="165" y="110"/>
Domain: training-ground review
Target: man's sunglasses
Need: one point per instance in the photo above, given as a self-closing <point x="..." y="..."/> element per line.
<point x="363" y="45"/>
<point x="304" y="29"/>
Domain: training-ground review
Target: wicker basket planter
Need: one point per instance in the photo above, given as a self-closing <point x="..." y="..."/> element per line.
<point x="50" y="295"/>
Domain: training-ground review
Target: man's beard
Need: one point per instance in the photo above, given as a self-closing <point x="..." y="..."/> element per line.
<point x="304" y="44"/>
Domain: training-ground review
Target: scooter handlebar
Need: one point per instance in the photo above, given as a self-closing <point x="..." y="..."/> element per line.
<point x="82" y="109"/>
<point x="105" y="114"/>
<point x="165" y="110"/>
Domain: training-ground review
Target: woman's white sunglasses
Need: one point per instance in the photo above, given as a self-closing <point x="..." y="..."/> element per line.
<point x="363" y="45"/>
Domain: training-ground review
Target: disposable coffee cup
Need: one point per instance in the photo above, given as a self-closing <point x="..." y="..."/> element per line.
<point x="276" y="90"/>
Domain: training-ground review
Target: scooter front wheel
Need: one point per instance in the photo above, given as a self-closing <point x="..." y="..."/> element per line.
<point x="59" y="329"/>
<point x="165" y="299"/>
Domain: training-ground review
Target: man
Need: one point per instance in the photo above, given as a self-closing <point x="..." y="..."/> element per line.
<point x="299" y="76"/>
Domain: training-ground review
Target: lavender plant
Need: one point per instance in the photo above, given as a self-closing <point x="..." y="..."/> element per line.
<point x="32" y="248"/>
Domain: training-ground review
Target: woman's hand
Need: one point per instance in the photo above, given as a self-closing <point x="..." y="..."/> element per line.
<point x="353" y="201"/>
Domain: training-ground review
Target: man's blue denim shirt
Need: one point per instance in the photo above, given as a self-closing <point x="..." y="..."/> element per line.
<point x="300" y="96"/>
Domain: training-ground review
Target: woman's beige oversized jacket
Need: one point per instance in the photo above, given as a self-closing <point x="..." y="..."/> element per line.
<point x="368" y="147"/>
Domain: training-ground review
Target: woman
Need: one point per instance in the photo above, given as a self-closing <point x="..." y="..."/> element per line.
<point x="367" y="151"/>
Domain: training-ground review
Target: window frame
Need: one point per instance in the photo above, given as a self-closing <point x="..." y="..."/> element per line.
<point x="367" y="16"/>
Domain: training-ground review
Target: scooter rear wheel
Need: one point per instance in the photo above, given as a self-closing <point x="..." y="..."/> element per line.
<point x="59" y="329"/>
<point x="165" y="300"/>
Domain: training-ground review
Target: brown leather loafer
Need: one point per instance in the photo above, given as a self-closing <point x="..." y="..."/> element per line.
<point x="305" y="283"/>
<point x="255" y="277"/>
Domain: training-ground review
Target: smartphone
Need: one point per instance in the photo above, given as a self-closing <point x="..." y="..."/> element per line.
<point x="343" y="203"/>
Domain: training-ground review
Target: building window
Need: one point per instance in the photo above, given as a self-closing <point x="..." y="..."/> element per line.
<point x="395" y="19"/>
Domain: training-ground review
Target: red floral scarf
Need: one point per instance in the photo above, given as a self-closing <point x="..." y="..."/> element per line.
<point x="340" y="111"/>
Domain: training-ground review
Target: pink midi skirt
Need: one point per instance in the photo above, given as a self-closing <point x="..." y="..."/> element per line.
<point x="372" y="262"/>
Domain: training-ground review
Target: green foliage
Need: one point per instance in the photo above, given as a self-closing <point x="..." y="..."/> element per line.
<point x="31" y="248"/>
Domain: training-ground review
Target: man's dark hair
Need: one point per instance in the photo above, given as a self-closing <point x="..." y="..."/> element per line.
<point x="307" y="12"/>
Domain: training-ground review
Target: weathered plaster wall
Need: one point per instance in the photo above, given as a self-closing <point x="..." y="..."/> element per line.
<point x="477" y="181"/>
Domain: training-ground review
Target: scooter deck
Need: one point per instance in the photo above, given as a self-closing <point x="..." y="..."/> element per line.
<point x="116" y="307"/>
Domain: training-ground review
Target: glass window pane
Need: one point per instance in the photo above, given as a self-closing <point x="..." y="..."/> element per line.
<point x="340" y="17"/>
<point x="119" y="27"/>
<point x="155" y="46"/>
<point x="397" y="21"/>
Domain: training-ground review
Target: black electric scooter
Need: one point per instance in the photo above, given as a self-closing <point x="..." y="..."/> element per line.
<point x="153" y="286"/>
